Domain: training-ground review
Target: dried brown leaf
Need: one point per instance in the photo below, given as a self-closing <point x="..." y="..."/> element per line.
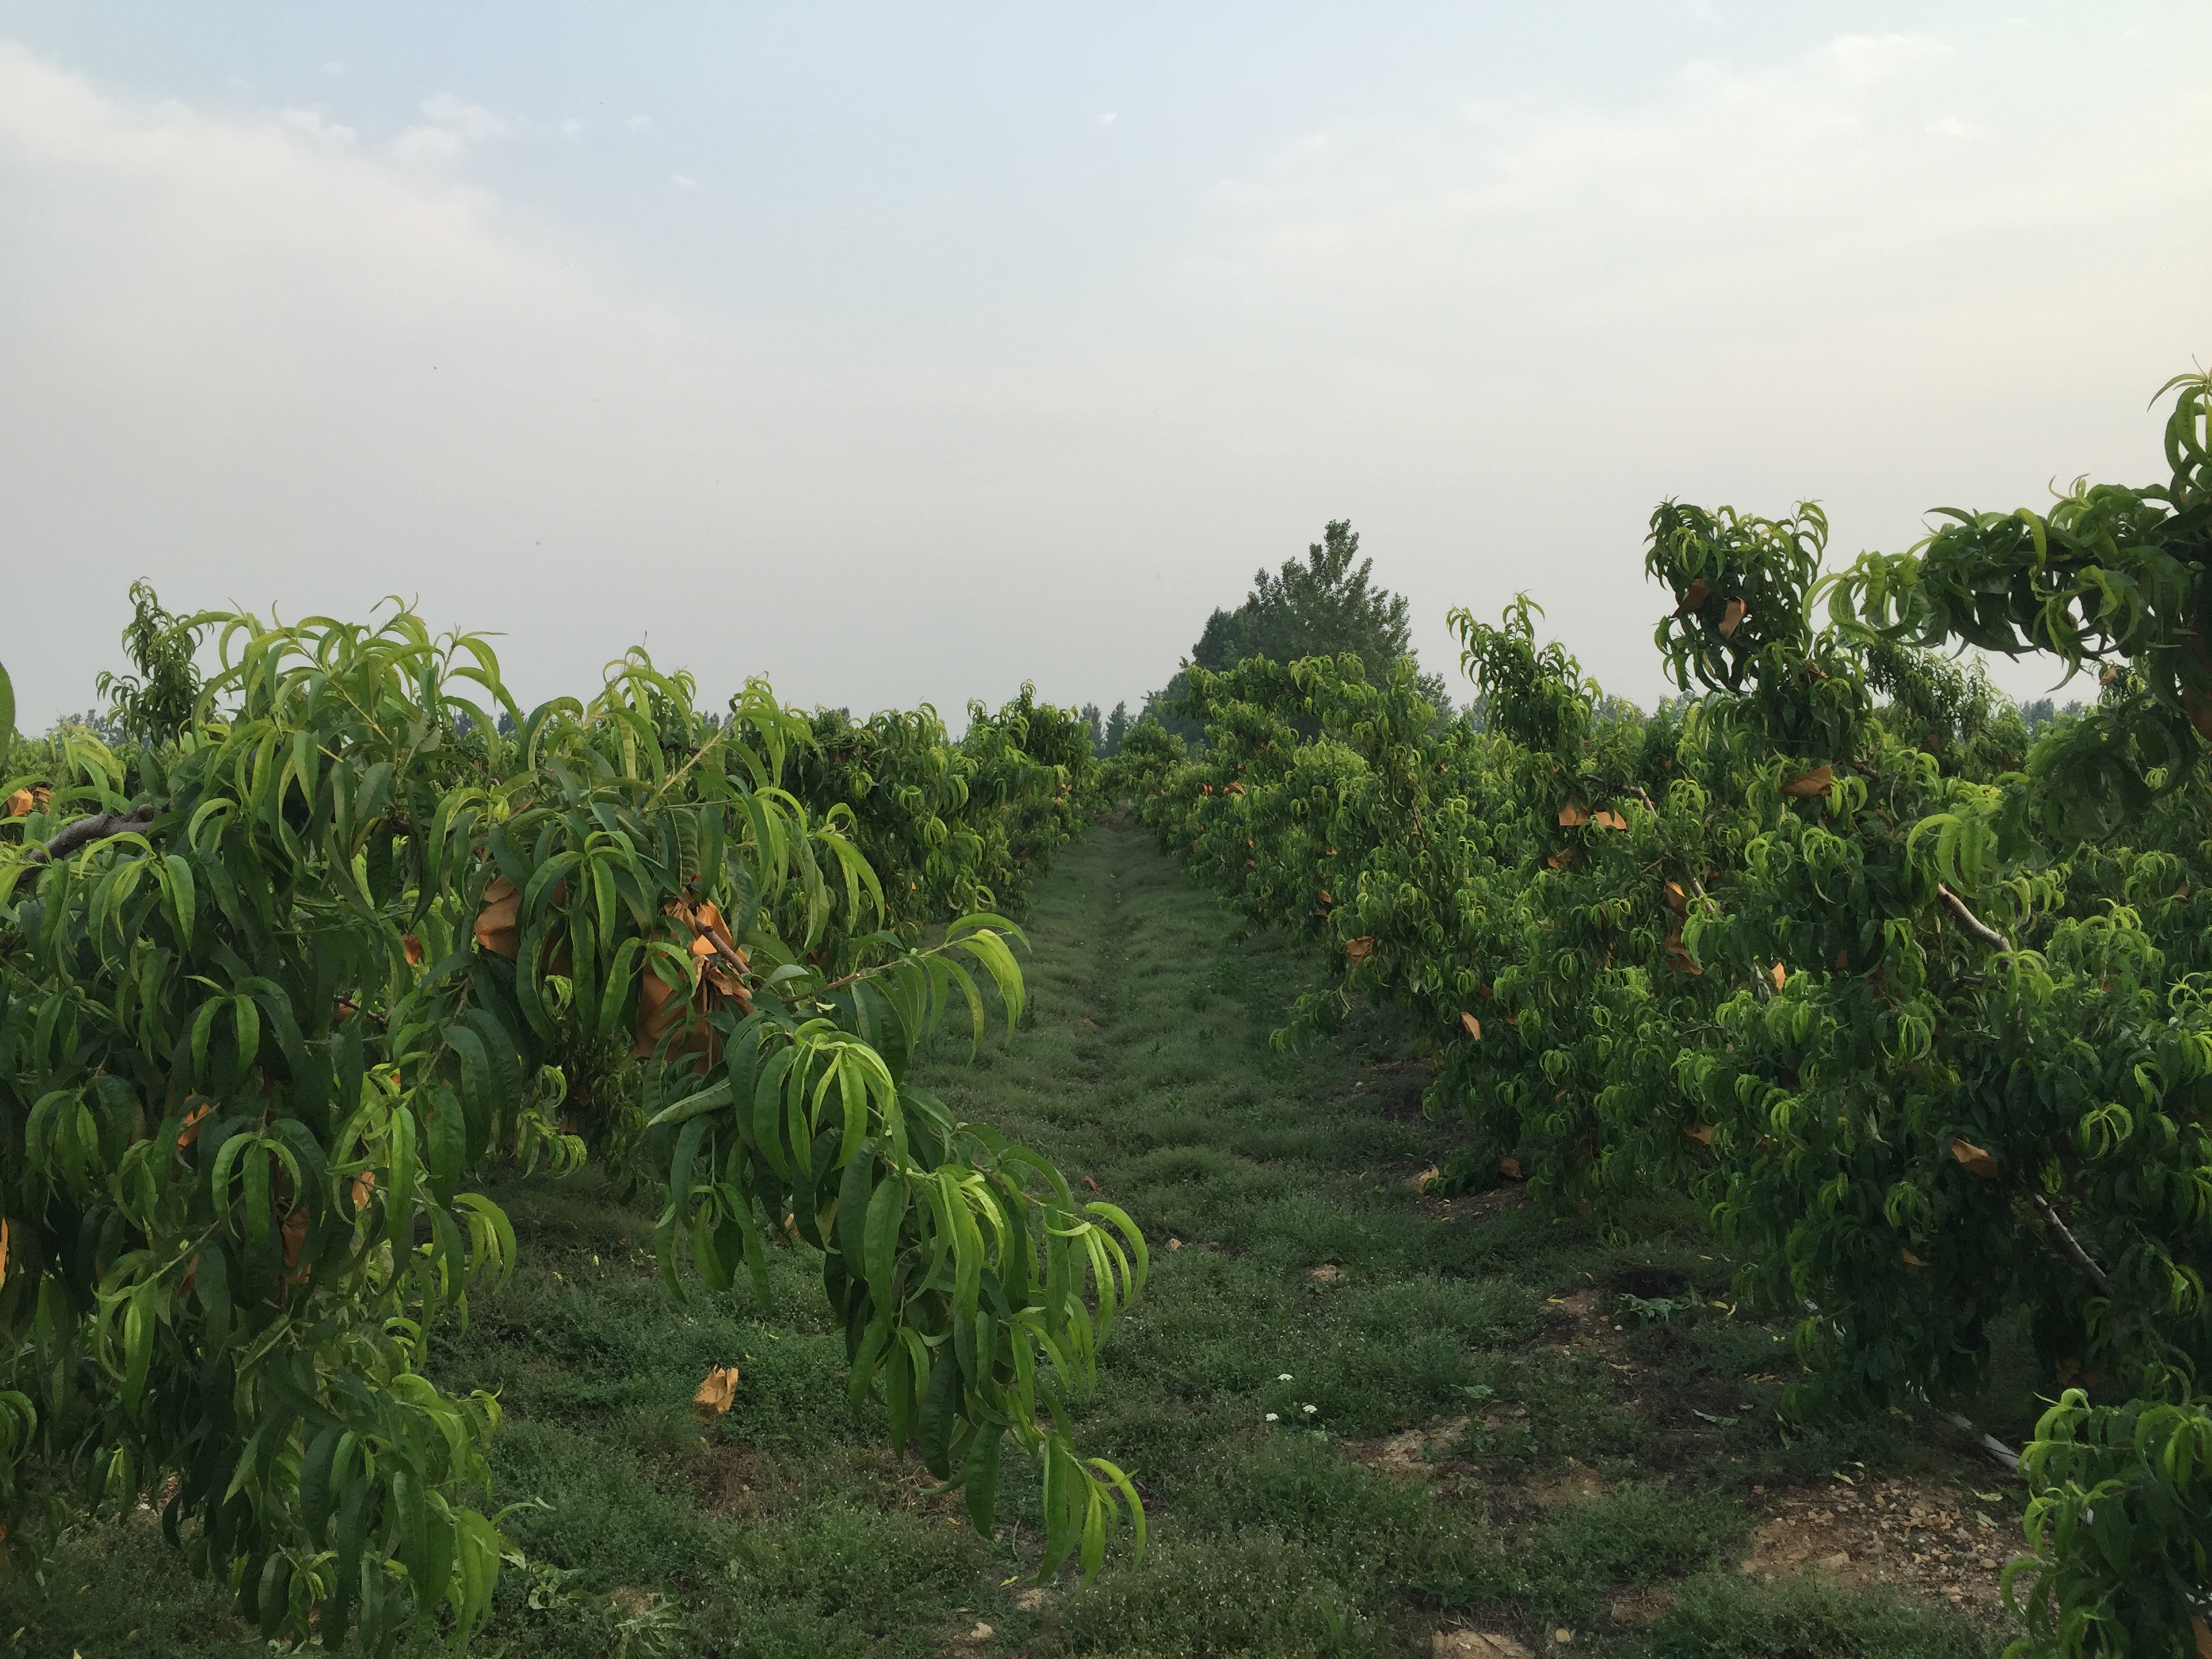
<point x="716" y="1394"/>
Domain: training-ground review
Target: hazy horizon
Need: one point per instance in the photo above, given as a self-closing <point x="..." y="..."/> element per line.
<point x="908" y="353"/>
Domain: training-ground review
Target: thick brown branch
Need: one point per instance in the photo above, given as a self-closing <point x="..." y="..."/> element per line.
<point x="83" y="831"/>
<point x="1972" y="923"/>
<point x="2070" y="1247"/>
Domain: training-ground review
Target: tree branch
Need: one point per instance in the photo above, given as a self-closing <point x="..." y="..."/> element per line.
<point x="1972" y="923"/>
<point x="83" y="831"/>
<point x="2070" y="1247"/>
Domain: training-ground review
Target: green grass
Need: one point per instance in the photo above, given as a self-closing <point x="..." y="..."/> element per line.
<point x="788" y="1529"/>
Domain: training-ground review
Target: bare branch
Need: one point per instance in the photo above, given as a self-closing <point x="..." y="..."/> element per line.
<point x="2070" y="1247"/>
<point x="1972" y="923"/>
<point x="83" y="831"/>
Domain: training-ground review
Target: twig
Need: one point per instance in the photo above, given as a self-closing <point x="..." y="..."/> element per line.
<point x="1989" y="1443"/>
<point x="1972" y="923"/>
<point x="2070" y="1247"/>
<point x="98" y="827"/>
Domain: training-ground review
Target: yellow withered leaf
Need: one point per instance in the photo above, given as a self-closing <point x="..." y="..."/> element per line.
<point x="499" y="923"/>
<point x="1570" y="815"/>
<point x="1780" y="975"/>
<point x="716" y="1395"/>
<point x="1806" y="785"/>
<point x="1361" y="948"/>
<point x="1910" y="1259"/>
<point x="1974" y="1160"/>
<point x="295" y="1232"/>
<point x="1474" y="1026"/>
<point x="1609" y="821"/>
<point x="19" y="804"/>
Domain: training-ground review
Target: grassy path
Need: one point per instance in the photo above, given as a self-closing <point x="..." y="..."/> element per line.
<point x="1359" y="1416"/>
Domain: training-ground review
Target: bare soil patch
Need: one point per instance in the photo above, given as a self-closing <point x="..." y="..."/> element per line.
<point x="1926" y="1539"/>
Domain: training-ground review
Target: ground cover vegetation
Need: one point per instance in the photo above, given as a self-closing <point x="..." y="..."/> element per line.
<point x="1914" y="1007"/>
<point x="1359" y="1416"/>
<point x="323" y="946"/>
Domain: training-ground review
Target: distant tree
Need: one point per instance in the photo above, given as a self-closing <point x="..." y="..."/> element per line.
<point x="1094" y="723"/>
<point x="1117" y="728"/>
<point x="1323" y="606"/>
<point x="2042" y="711"/>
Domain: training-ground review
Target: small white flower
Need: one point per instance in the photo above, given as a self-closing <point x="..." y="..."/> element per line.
<point x="1271" y="1417"/>
<point x="1284" y="1377"/>
<point x="1308" y="1410"/>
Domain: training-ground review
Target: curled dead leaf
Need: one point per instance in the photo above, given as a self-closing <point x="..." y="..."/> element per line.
<point x="1700" y="1133"/>
<point x="499" y="923"/>
<point x="1974" y="1159"/>
<point x="1677" y="900"/>
<point x="3" y="1250"/>
<point x="296" y="1235"/>
<point x="1910" y="1259"/>
<point x="665" y="1011"/>
<point x="1609" y="821"/>
<point x="1678" y="955"/>
<point x="1510" y="1168"/>
<point x="1359" y="950"/>
<point x="20" y="805"/>
<point x="364" y="1188"/>
<point x="1234" y="789"/>
<point x="1695" y="597"/>
<point x="1780" y="975"/>
<point x="1563" y="857"/>
<point x="1732" y="615"/>
<point x="716" y="1394"/>
<point x="1474" y="1026"/>
<point x="1427" y="1178"/>
<point x="1570" y="815"/>
<point x="191" y="1132"/>
<point x="1806" y="785"/>
<point x="413" y="947"/>
<point x="1175" y="1243"/>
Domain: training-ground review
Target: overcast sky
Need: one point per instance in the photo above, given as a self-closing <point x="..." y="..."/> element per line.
<point x="906" y="352"/>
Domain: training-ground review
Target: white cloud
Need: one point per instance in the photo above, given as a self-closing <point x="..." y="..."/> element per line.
<point x="256" y="362"/>
<point x="453" y="125"/>
<point x="1862" y="59"/>
<point x="682" y="182"/>
<point x="638" y="122"/>
<point x="316" y="124"/>
<point x="1108" y="119"/>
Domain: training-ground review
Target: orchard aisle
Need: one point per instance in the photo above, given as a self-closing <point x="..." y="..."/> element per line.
<point x="1358" y="1416"/>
